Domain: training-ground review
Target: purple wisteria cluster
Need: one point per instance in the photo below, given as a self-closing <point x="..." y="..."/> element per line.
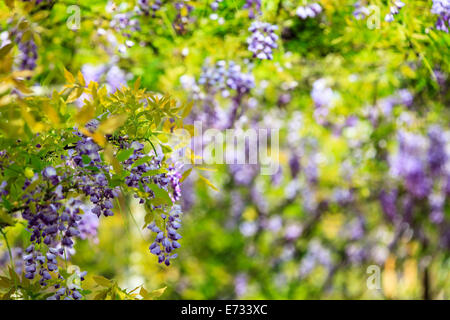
<point x="310" y="10"/>
<point x="145" y="6"/>
<point x="254" y="8"/>
<point x="140" y="164"/>
<point x="397" y="5"/>
<point x="55" y="221"/>
<point x="83" y="158"/>
<point x="109" y="74"/>
<point x="88" y="225"/>
<point x="263" y="40"/>
<point x="361" y="10"/>
<point x="384" y="107"/>
<point x="71" y="289"/>
<point x="221" y="78"/>
<point x="324" y="98"/>
<point x="317" y="254"/>
<point x="421" y="165"/>
<point x="237" y="80"/>
<point x="166" y="240"/>
<point x="215" y="5"/>
<point x="442" y="9"/>
<point x="168" y="181"/>
<point x="125" y="23"/>
<point x="213" y="77"/>
<point x="227" y="78"/>
<point x="410" y="164"/>
<point x="28" y="51"/>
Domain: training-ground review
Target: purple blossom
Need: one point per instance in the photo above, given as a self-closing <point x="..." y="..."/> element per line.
<point x="240" y="285"/>
<point x="442" y="9"/>
<point x="308" y="11"/>
<point x="324" y="98"/>
<point x="394" y="10"/>
<point x="145" y="6"/>
<point x="360" y="11"/>
<point x="409" y="164"/>
<point x="254" y="8"/>
<point x="28" y="51"/>
<point x="88" y="225"/>
<point x="262" y="40"/>
<point x="437" y="156"/>
<point x="388" y="204"/>
<point x="166" y="241"/>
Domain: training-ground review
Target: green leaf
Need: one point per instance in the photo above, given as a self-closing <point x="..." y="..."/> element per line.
<point x="151" y="295"/>
<point x="14" y="276"/>
<point x="112" y="123"/>
<point x="148" y="219"/>
<point x="150" y="173"/>
<point x="102" y="281"/>
<point x="101" y="295"/>
<point x="92" y="168"/>
<point x="10" y="3"/>
<point x="69" y="77"/>
<point x="141" y="161"/>
<point x="5" y="283"/>
<point x="208" y="183"/>
<point x="124" y="154"/>
<point x="13" y="170"/>
<point x="187" y="109"/>
<point x="185" y="174"/>
<point x="36" y="162"/>
<point x="6" y="49"/>
<point x="137" y="84"/>
<point x="86" y="159"/>
<point x="158" y="292"/>
<point x="6" y="219"/>
<point x="160" y="193"/>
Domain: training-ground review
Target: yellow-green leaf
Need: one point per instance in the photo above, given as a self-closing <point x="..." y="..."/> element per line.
<point x="6" y="49"/>
<point x="69" y="77"/>
<point x="102" y="281"/>
<point x="5" y="219"/>
<point x="208" y="183"/>
<point x="112" y="123"/>
<point x="81" y="80"/>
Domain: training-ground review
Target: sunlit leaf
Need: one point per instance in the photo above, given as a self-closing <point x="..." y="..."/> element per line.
<point x="112" y="123"/>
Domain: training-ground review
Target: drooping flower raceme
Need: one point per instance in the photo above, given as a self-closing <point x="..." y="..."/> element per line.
<point x="110" y="74"/>
<point x="262" y="40"/>
<point x="361" y="11"/>
<point x="323" y="97"/>
<point x="254" y="8"/>
<point x="442" y="9"/>
<point x="238" y="80"/>
<point x="394" y="10"/>
<point x="308" y="11"/>
<point x="56" y="221"/>
<point x="166" y="239"/>
<point x="421" y="168"/>
<point x="409" y="163"/>
<point x="145" y="6"/>
<point x="27" y="50"/>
